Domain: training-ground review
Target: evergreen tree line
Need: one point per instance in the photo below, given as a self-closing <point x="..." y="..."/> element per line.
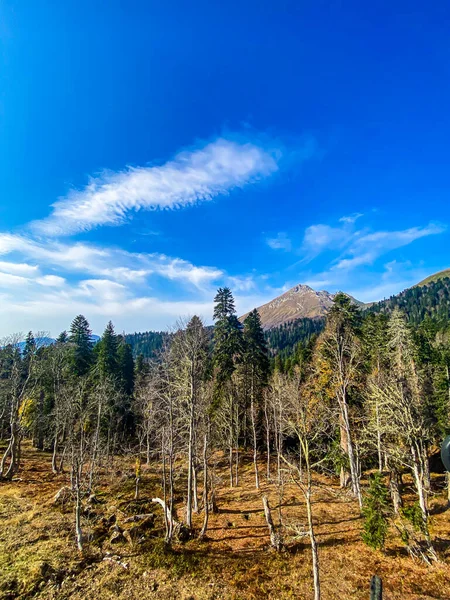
<point x="420" y="302"/>
<point x="369" y="393"/>
<point x="147" y="343"/>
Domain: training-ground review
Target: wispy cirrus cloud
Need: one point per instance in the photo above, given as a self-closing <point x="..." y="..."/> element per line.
<point x="40" y="270"/>
<point x="351" y="218"/>
<point x="366" y="248"/>
<point x="358" y="250"/>
<point x="192" y="176"/>
<point x="356" y="247"/>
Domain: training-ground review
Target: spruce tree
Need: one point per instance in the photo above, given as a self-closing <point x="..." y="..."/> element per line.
<point x="256" y="371"/>
<point x="62" y="338"/>
<point x="29" y="348"/>
<point x="228" y="344"/>
<point x="376" y="512"/>
<point x="125" y="365"/>
<point x="345" y="313"/>
<point x="107" y="361"/>
<point x="256" y="355"/>
<point x="81" y="340"/>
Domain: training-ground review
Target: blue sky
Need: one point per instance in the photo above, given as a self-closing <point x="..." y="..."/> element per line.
<point x="153" y="151"/>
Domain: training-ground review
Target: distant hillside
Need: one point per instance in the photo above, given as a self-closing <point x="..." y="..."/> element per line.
<point x="436" y="277"/>
<point x="300" y="302"/>
<point x="283" y="339"/>
<point x="146" y="343"/>
<point x="430" y="300"/>
<point x="299" y="314"/>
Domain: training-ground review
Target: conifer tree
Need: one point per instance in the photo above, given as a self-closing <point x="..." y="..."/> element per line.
<point x="228" y="345"/>
<point x="255" y="347"/>
<point x="376" y="513"/>
<point x="125" y="365"/>
<point x="30" y="345"/>
<point x="256" y="371"/>
<point x="62" y="338"/>
<point x="227" y="354"/>
<point x="107" y="361"/>
<point x="29" y="350"/>
<point x="81" y="340"/>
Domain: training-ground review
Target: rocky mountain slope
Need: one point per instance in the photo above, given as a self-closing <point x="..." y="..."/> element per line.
<point x="299" y="302"/>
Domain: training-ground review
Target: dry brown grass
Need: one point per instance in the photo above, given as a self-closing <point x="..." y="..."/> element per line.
<point x="38" y="557"/>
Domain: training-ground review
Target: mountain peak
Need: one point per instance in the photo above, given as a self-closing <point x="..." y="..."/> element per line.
<point x="299" y="302"/>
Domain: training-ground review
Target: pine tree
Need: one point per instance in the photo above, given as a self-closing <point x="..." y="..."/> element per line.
<point x="228" y="344"/>
<point x="256" y="371"/>
<point x="376" y="513"/>
<point x="81" y="340"/>
<point x="345" y="313"/>
<point x="29" y="349"/>
<point x="107" y="361"/>
<point x="62" y="338"/>
<point x="255" y="348"/>
<point x="125" y="365"/>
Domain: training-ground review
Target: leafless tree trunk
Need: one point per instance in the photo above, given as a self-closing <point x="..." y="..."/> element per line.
<point x="190" y="466"/>
<point x="395" y="489"/>
<point x="253" y="420"/>
<point x="78" y="530"/>
<point x="95" y="446"/>
<point x="275" y="538"/>
<point x="266" y="416"/>
<point x="205" y="488"/>
<point x="350" y="450"/>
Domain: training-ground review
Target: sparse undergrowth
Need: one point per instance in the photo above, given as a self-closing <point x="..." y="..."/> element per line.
<point x="38" y="556"/>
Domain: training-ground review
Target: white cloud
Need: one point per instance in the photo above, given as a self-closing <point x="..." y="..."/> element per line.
<point x="191" y="177"/>
<point x="7" y="279"/>
<point x="18" y="268"/>
<point x="120" y="281"/>
<point x="318" y="238"/>
<point x="242" y="284"/>
<point x="365" y="249"/>
<point x="51" y="280"/>
<point x="362" y="249"/>
<point x="108" y="262"/>
<point x="102" y="289"/>
<point x="280" y="242"/>
<point x="45" y="282"/>
<point x="99" y="302"/>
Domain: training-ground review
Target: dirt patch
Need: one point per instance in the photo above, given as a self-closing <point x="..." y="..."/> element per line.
<point x="38" y="556"/>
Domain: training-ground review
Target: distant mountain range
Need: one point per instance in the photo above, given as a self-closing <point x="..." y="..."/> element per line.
<point x="48" y="341"/>
<point x="300" y="302"/>
<point x="300" y="313"/>
<point x="428" y="297"/>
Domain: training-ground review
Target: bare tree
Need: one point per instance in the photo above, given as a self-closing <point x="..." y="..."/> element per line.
<point x="308" y="418"/>
<point x="17" y="386"/>
<point x="338" y="363"/>
<point x="189" y="353"/>
<point x="402" y="417"/>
